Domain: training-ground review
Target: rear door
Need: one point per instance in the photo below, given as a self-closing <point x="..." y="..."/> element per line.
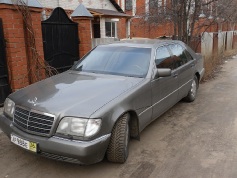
<point x="185" y="68"/>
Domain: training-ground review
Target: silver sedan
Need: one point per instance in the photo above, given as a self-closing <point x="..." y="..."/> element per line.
<point x="92" y="110"/>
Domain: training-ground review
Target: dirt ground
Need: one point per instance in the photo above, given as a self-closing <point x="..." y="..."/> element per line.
<point x="195" y="140"/>
<point x="1" y="110"/>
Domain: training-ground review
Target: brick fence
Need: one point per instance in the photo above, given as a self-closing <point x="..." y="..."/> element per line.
<point x="16" y="51"/>
<point x="84" y="33"/>
<point x="17" y="54"/>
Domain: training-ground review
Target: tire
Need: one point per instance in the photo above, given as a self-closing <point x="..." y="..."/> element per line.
<point x="117" y="151"/>
<point x="192" y="94"/>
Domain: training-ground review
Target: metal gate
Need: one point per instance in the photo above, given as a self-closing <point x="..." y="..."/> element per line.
<point x="5" y="89"/>
<point x="60" y="40"/>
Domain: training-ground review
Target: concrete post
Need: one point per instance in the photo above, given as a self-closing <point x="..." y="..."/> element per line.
<point x="102" y="28"/>
<point x="128" y="31"/>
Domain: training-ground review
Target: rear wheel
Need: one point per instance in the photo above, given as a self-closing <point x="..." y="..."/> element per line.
<point x="117" y="151"/>
<point x="193" y="90"/>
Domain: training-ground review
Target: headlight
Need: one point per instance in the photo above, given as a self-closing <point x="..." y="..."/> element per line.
<point x="78" y="126"/>
<point x="92" y="127"/>
<point x="9" y="107"/>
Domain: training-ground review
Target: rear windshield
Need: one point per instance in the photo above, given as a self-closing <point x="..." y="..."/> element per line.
<point x="119" y="60"/>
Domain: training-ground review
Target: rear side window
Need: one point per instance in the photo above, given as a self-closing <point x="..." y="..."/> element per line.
<point x="189" y="56"/>
<point x="163" y="58"/>
<point x="179" y="55"/>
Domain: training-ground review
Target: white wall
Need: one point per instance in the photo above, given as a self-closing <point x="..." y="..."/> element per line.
<point x="134" y="7"/>
<point x="122" y="4"/>
<point x="221" y="42"/>
<point x="146" y="6"/>
<point x="50" y="4"/>
<point x="229" y="44"/>
<point x="72" y="4"/>
<point x="207" y="44"/>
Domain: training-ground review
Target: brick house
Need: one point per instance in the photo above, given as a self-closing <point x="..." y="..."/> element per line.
<point x="141" y="10"/>
<point x="109" y="23"/>
<point x="139" y="28"/>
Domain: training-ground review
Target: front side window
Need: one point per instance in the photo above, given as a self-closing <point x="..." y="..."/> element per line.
<point x="163" y="58"/>
<point x="119" y="60"/>
<point x="189" y="56"/>
<point x="111" y="29"/>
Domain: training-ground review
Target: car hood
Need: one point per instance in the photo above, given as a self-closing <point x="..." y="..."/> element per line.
<point x="73" y="93"/>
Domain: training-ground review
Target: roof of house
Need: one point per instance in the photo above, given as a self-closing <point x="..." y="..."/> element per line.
<point x="105" y="12"/>
<point x="81" y="11"/>
<point x="111" y="13"/>
<point x="32" y="3"/>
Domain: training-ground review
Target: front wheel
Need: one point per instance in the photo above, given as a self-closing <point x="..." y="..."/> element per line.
<point x="193" y="90"/>
<point x="117" y="151"/>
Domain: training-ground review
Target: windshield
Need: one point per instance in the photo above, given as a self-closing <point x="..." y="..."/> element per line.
<point x="116" y="60"/>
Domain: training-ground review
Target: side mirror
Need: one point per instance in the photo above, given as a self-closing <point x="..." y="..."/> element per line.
<point x="163" y="73"/>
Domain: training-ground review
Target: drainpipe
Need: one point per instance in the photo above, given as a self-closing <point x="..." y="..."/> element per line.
<point x="128" y="24"/>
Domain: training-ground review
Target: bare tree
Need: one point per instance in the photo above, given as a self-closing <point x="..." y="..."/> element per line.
<point x="188" y="17"/>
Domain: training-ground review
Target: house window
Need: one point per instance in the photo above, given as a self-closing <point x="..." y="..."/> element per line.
<point x="153" y="11"/>
<point x="128" y="5"/>
<point x="156" y="9"/>
<point x="154" y="5"/>
<point x="111" y="29"/>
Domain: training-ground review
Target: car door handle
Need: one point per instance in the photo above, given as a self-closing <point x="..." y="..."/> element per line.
<point x="175" y="75"/>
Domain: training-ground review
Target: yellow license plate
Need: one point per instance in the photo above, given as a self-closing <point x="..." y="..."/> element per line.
<point x="33" y="147"/>
<point x="24" y="143"/>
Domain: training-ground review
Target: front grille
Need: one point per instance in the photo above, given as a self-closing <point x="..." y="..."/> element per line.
<point x="33" y="121"/>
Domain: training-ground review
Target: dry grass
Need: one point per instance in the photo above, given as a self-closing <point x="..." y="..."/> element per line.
<point x="213" y="65"/>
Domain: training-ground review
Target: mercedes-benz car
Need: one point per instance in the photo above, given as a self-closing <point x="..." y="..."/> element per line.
<point x="109" y="96"/>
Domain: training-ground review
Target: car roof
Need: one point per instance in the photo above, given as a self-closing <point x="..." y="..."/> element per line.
<point x="143" y="43"/>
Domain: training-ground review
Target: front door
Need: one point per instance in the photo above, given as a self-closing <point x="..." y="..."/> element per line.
<point x="164" y="89"/>
<point x="96" y="29"/>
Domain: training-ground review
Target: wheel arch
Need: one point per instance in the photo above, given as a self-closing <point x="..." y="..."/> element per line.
<point x="134" y="125"/>
<point x="198" y="76"/>
<point x="133" y="122"/>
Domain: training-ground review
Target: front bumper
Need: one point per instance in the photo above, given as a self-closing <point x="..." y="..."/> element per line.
<point x="82" y="152"/>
